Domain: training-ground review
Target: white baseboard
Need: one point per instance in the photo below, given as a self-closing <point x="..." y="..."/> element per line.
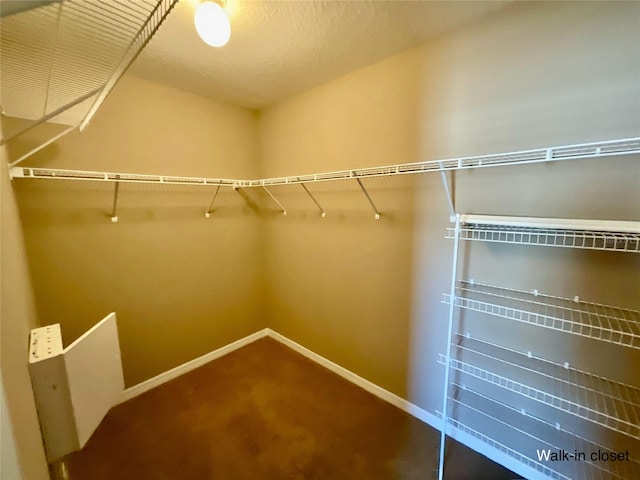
<point x="387" y="396"/>
<point x="404" y="405"/>
<point x="429" y="418"/>
<point x="158" y="380"/>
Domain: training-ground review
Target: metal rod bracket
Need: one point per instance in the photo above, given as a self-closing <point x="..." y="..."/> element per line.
<point x="116" y="192"/>
<point x="207" y="214"/>
<point x="447" y="191"/>
<point x="323" y="214"/>
<point x="364" y="190"/>
<point x="284" y="210"/>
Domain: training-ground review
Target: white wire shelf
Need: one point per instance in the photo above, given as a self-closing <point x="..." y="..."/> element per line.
<point x="591" y="320"/>
<point x="504" y="449"/>
<point x="61" y="59"/>
<point x="605" y="402"/>
<point x="552" y="223"/>
<point x="537" y="432"/>
<point x="627" y="396"/>
<point x="82" y="175"/>
<point x="585" y="234"/>
<point x="629" y="146"/>
<point x="626" y="146"/>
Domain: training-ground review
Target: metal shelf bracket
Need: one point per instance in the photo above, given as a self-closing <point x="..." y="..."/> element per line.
<point x="114" y="211"/>
<point x="207" y="214"/>
<point x="323" y="214"/>
<point x="447" y="191"/>
<point x="364" y="190"/>
<point x="284" y="210"/>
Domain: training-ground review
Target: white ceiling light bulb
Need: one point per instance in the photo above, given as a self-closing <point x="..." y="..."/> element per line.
<point x="212" y="24"/>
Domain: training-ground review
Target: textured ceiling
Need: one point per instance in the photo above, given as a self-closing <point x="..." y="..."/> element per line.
<point x="281" y="48"/>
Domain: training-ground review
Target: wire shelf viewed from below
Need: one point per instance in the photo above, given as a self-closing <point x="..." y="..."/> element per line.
<point x="591" y="320"/>
<point x="56" y="53"/>
<point x="60" y="60"/>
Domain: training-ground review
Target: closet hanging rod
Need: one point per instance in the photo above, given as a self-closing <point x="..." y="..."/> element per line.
<point x="627" y="146"/>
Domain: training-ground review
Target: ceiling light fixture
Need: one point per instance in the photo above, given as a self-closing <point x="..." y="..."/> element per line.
<point x="212" y="23"/>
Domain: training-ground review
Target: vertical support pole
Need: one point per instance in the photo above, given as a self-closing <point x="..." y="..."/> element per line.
<point x="364" y="190"/>
<point x="284" y="210"/>
<point x="114" y="212"/>
<point x="454" y="269"/>
<point x="447" y="191"/>
<point x="322" y="212"/>
<point x="59" y="470"/>
<point x="207" y="214"/>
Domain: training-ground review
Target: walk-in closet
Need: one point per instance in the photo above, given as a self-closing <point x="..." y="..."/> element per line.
<point x="320" y="240"/>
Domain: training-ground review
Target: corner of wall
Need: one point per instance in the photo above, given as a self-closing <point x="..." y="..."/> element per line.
<point x="17" y="317"/>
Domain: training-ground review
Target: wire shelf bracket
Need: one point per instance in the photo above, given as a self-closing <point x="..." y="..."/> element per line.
<point x="209" y="211"/>
<point x="323" y="214"/>
<point x="114" y="210"/>
<point x="366" y="194"/>
<point x="284" y="210"/>
<point x="446" y="181"/>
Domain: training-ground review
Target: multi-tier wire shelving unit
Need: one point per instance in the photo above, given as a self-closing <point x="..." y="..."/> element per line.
<point x="550" y="419"/>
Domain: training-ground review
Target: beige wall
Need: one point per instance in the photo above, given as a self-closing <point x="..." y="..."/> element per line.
<point x="180" y="284"/>
<point x="367" y="294"/>
<point x="17" y="317"/>
<point x="364" y="293"/>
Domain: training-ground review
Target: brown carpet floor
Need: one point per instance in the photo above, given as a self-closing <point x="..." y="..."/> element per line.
<point x="265" y="412"/>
